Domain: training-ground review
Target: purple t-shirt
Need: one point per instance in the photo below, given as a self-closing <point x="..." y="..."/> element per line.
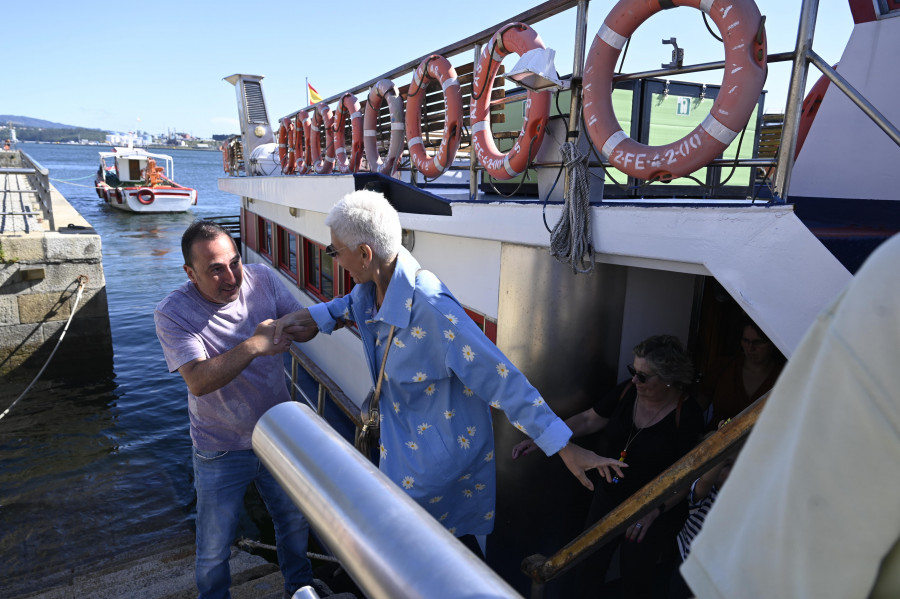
<point x="191" y="327"/>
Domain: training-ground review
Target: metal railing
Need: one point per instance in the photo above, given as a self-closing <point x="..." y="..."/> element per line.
<point x="389" y="545"/>
<point x="39" y="178"/>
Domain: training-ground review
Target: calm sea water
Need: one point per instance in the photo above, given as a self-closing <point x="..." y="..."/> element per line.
<point x="99" y="467"/>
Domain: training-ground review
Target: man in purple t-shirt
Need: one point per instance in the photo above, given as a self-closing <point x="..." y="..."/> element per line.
<point x="216" y="331"/>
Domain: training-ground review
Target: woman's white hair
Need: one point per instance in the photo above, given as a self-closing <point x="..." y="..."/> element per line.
<point x="366" y="217"/>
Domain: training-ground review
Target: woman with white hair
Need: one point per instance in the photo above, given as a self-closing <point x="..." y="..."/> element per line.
<point x="440" y="377"/>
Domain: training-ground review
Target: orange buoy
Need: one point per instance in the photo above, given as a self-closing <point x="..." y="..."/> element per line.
<point x="323" y="121"/>
<point x="301" y="142"/>
<point x="743" y="32"/>
<point x="145" y="196"/>
<point x="518" y="38"/>
<point x="383" y="91"/>
<point x="283" y="154"/>
<point x="810" y="108"/>
<point x="434" y="68"/>
<point x="348" y="108"/>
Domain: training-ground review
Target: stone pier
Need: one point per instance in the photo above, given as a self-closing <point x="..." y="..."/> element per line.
<point x="47" y="251"/>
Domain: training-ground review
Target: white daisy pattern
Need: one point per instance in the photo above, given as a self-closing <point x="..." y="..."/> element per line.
<point x="408" y="304"/>
<point x="489" y="456"/>
<point x="423" y="427"/>
<point x="382" y="450"/>
<point x="449" y="335"/>
<point x="412" y="445"/>
<point x="468" y="354"/>
<point x="470" y="430"/>
<point x="430" y="389"/>
<point x="502" y="370"/>
<point x="495" y="404"/>
<point x="444" y="516"/>
<point x="489" y="515"/>
<point x="520" y="426"/>
<point x="418" y="332"/>
<point x="480" y="486"/>
<point x="448" y="414"/>
<point x="420" y="377"/>
<point x="467" y="493"/>
<point x="436" y="499"/>
<point x="465" y="477"/>
<point x="396" y="405"/>
<point x="452" y="318"/>
<point x="398" y="342"/>
<point x="452" y="530"/>
<point x="463" y="441"/>
<point x="468" y="392"/>
<point x="408" y="482"/>
<point x="538" y="402"/>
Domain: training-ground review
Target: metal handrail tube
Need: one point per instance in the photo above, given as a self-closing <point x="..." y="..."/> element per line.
<point x="693" y="68"/>
<point x="390" y="546"/>
<point x="39" y="177"/>
<point x="867" y="107"/>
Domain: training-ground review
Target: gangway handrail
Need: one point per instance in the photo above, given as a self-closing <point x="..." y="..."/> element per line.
<point x="325" y="386"/>
<point x="389" y="545"/>
<point x="39" y="179"/>
<point x="676" y="478"/>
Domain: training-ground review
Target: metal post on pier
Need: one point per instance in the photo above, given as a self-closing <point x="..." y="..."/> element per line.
<point x="473" y="155"/>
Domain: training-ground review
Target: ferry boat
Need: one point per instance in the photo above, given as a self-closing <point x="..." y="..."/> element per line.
<point x="653" y="235"/>
<point x="135" y="180"/>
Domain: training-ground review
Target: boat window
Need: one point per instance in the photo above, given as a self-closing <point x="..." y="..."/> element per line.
<point x="287" y="252"/>
<point x="265" y="238"/>
<point x="318" y="271"/>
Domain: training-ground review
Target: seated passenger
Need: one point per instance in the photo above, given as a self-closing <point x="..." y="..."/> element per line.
<point x="650" y="421"/>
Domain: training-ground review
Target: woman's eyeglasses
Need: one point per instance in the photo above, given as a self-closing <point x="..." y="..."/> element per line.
<point x="640" y="376"/>
<point x="333" y="251"/>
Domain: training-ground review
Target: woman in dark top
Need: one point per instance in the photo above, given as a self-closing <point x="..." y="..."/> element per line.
<point x="650" y="421"/>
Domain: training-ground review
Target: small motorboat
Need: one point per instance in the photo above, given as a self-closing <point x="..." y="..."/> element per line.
<point x="135" y="180"/>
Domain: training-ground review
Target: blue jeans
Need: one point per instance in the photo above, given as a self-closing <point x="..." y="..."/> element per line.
<point x="221" y="479"/>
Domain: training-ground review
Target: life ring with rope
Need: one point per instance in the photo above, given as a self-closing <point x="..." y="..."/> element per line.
<point x="384" y="91"/>
<point x="323" y="122"/>
<point x="301" y="142"/>
<point x="518" y="38"/>
<point x="283" y="149"/>
<point x="434" y="68"/>
<point x="225" y="159"/>
<point x="348" y="107"/>
<point x="743" y="31"/>
<point x="145" y="196"/>
<point x="809" y="109"/>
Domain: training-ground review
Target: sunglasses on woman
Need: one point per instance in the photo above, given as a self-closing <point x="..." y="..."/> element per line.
<point x="641" y="377"/>
<point x="333" y="251"/>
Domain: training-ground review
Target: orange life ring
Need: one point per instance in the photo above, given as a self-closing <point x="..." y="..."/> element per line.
<point x="810" y="108"/>
<point x="283" y="148"/>
<point x="301" y="142"/>
<point x="348" y="108"/>
<point x="384" y="90"/>
<point x="518" y="38"/>
<point x="145" y="196"/>
<point x="323" y="120"/>
<point x="434" y="68"/>
<point x="225" y="160"/>
<point x="742" y="30"/>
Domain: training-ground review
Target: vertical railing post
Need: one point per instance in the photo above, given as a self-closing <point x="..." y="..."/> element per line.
<point x="577" y="74"/>
<point x="788" y="145"/>
<point x="293" y="378"/>
<point x="473" y="158"/>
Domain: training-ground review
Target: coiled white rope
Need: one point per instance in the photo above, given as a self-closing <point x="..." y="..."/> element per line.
<point x="570" y="240"/>
<point x="82" y="279"/>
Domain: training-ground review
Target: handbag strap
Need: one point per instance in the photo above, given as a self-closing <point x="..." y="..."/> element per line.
<point x="373" y="406"/>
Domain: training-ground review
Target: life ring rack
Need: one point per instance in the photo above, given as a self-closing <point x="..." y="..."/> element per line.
<point x="743" y="31"/>
<point x="301" y="143"/>
<point x="145" y="196"/>
<point x="322" y="122"/>
<point x="518" y="38"/>
<point x="285" y="150"/>
<point x="434" y="68"/>
<point x="348" y="107"/>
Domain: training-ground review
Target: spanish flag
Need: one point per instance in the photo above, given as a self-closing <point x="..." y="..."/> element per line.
<point x="312" y="95"/>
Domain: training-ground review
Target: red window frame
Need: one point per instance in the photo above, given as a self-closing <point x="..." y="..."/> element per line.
<point x="316" y="263"/>
<point x="250" y="229"/>
<point x="265" y="237"/>
<point x="287" y="248"/>
<point x="484" y="323"/>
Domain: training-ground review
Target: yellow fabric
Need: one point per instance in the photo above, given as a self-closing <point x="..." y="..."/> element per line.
<point x="314" y="96"/>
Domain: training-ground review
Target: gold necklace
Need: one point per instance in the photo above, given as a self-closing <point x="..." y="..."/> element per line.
<point x="634" y="428"/>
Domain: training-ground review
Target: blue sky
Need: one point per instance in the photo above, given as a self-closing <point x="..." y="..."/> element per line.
<point x="160" y="65"/>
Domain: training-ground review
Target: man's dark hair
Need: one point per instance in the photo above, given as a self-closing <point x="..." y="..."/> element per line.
<point x="202" y="230"/>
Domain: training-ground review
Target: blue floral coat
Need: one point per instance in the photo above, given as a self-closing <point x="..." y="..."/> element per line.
<point x="441" y="375"/>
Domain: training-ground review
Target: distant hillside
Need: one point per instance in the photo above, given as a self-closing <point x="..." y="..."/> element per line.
<point x="27" y="121"/>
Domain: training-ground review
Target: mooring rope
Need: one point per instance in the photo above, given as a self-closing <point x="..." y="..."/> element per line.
<point x="570" y="240"/>
<point x="75" y="184"/>
<point x="82" y="279"/>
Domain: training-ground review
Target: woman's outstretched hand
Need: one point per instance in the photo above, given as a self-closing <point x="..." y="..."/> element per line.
<point x="579" y="460"/>
<point x="523" y="448"/>
<point x="299" y="326"/>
